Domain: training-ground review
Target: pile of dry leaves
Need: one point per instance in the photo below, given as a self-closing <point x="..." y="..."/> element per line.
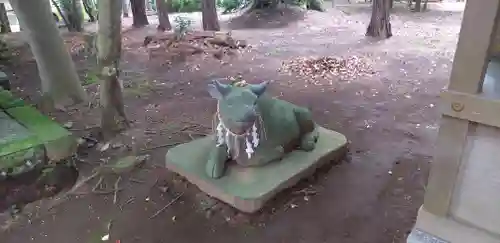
<point x="172" y="47"/>
<point x="345" y="69"/>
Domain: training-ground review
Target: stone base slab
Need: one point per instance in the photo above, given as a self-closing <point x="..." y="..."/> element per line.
<point x="431" y="228"/>
<point x="247" y="189"/>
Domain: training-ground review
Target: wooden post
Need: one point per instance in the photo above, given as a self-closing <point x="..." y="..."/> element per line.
<point x="469" y="67"/>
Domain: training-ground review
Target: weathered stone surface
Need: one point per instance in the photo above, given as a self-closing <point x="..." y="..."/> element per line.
<point x="15" y="143"/>
<point x="247" y="189"/>
<point x="59" y="143"/>
<point x="28" y="138"/>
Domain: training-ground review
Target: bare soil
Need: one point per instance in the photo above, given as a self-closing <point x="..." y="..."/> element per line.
<point x="390" y="119"/>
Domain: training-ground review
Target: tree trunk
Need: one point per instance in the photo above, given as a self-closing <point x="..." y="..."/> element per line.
<point x="55" y="66"/>
<point x="162" y="9"/>
<point x="74" y="15"/>
<point x="139" y="13"/>
<point x="424" y="7"/>
<point x="125" y="8"/>
<point x="209" y="15"/>
<point x="380" y="25"/>
<point x="61" y="13"/>
<point x="4" y="19"/>
<point x="418" y="6"/>
<point x="108" y="58"/>
<point x="89" y="9"/>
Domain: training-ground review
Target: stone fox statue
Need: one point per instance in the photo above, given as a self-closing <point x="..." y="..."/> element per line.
<point x="255" y="129"/>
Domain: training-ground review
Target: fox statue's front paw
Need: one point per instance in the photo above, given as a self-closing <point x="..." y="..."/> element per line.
<point x="214" y="168"/>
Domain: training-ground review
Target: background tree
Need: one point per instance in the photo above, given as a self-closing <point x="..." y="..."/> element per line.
<point x="72" y="10"/>
<point x="125" y="8"/>
<point x="109" y="44"/>
<point x="162" y="9"/>
<point x="209" y="15"/>
<point x="4" y="19"/>
<point x="90" y="7"/>
<point x="61" y="13"/>
<point x="420" y="5"/>
<point x="55" y="66"/>
<point x="139" y="13"/>
<point x="380" y="25"/>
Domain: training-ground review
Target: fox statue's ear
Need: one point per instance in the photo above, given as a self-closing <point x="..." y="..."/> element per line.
<point x="259" y="89"/>
<point x="217" y="89"/>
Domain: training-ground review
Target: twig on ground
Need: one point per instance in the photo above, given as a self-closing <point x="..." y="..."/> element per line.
<point x="98" y="184"/>
<point x="196" y="124"/>
<point x="136" y="180"/>
<point x="127" y="202"/>
<point x="160" y="146"/>
<point x="82" y="182"/>
<point x="166" y="206"/>
<point x="191" y="133"/>
<point x="115" y="196"/>
<point x="82" y="129"/>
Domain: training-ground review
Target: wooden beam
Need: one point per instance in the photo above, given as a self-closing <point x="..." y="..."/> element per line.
<point x="469" y="66"/>
<point x="471" y="107"/>
<point x="445" y="166"/>
<point x="473" y="48"/>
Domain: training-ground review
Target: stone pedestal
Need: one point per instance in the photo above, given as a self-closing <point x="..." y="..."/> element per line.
<point x="28" y="138"/>
<point x="247" y="189"/>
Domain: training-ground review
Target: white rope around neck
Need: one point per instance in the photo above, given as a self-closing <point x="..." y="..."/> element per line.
<point x="232" y="140"/>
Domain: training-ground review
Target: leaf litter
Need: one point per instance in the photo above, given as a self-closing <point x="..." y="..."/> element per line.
<point x="344" y="68"/>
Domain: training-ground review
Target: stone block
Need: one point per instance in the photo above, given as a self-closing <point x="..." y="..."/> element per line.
<point x="59" y="143"/>
<point x="247" y="189"/>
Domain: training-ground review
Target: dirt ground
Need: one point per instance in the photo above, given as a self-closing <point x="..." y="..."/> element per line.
<point x="390" y="119"/>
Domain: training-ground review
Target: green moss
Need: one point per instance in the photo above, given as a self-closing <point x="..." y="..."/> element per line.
<point x="7" y="100"/>
<point x="40" y="125"/>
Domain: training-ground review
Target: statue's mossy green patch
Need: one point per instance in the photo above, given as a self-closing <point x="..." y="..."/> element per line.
<point x="248" y="188"/>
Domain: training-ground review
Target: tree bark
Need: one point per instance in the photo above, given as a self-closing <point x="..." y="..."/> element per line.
<point x="380" y="25"/>
<point x="162" y="9"/>
<point x="89" y="9"/>
<point x="125" y="8"/>
<point x="61" y="13"/>
<point x="139" y="13"/>
<point x="209" y="15"/>
<point x="108" y="58"/>
<point x="418" y="6"/>
<point x="55" y="66"/>
<point x="4" y="20"/>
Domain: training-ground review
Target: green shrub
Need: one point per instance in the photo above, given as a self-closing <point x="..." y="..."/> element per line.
<point x="230" y="5"/>
<point x="184" y="6"/>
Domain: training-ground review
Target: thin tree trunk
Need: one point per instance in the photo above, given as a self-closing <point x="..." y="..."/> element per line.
<point x="61" y="13"/>
<point x="380" y="25"/>
<point x="424" y="7"/>
<point x="125" y="8"/>
<point x="89" y="10"/>
<point x="108" y="58"/>
<point x="418" y="6"/>
<point x="209" y="15"/>
<point x="55" y="66"/>
<point x="139" y="13"/>
<point x="4" y="19"/>
<point x="162" y="9"/>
